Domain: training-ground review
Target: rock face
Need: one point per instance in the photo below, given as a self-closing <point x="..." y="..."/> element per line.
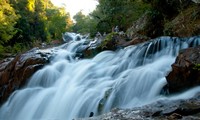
<point x="185" y="72"/>
<point x="185" y="24"/>
<point x="15" y="71"/>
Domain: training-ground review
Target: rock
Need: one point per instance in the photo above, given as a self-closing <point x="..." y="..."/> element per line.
<point x="15" y="71"/>
<point x="67" y="37"/>
<point x="112" y="41"/>
<point x="89" y="53"/>
<point x="134" y="41"/>
<point x="4" y="63"/>
<point x="174" y="116"/>
<point x="91" y="114"/>
<point x="56" y="42"/>
<point x="184" y="75"/>
<point x="160" y="110"/>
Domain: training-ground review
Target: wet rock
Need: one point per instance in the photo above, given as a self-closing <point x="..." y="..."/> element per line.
<point x="89" y="53"/>
<point x="91" y="114"/>
<point x="67" y="37"/>
<point x="4" y="63"/>
<point x="15" y="71"/>
<point x="184" y="74"/>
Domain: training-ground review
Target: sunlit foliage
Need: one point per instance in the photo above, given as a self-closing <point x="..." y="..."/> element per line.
<point x="23" y="22"/>
<point x="8" y="20"/>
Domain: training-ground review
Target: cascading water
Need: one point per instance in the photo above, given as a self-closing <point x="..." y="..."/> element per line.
<point x="69" y="88"/>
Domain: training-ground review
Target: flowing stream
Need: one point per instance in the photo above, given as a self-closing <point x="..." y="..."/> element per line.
<point x="70" y="88"/>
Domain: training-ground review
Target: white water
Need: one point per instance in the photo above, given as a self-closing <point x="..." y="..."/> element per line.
<point x="70" y="88"/>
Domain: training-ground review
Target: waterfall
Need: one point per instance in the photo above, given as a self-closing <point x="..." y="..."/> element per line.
<point x="70" y="88"/>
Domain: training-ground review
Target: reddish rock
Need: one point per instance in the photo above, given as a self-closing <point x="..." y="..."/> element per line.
<point x="184" y="75"/>
<point x="15" y="71"/>
<point x="56" y="42"/>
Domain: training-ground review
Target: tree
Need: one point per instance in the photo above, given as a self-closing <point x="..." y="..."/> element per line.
<point x="58" y="21"/>
<point x="84" y="24"/>
<point x="110" y="13"/>
<point x="8" y="19"/>
<point x="40" y="21"/>
<point x="22" y="22"/>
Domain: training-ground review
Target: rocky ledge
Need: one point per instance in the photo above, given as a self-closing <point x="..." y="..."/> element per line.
<point x="15" y="71"/>
<point x="160" y="110"/>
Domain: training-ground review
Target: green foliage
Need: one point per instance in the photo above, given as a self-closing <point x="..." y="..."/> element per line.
<point x="40" y="20"/>
<point x="57" y="22"/>
<point x="84" y="24"/>
<point x="17" y="48"/>
<point x="169" y="8"/>
<point x="1" y="49"/>
<point x="24" y="21"/>
<point x="110" y="13"/>
<point x="8" y="49"/>
<point x="8" y="20"/>
<point x="197" y="67"/>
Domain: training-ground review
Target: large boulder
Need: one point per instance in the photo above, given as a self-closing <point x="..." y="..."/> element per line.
<point x="15" y="71"/>
<point x="185" y="71"/>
